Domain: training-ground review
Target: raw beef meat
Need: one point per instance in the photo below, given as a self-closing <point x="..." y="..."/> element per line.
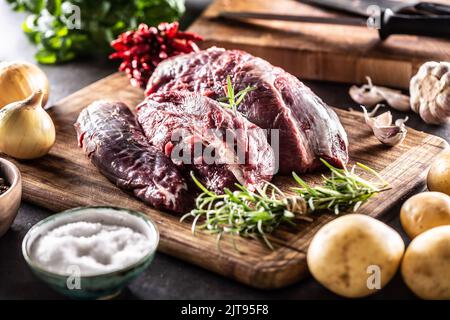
<point x="116" y="145"/>
<point x="221" y="147"/>
<point x="308" y="128"/>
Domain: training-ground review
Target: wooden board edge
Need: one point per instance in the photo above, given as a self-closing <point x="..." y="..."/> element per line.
<point x="267" y="275"/>
<point x="325" y="66"/>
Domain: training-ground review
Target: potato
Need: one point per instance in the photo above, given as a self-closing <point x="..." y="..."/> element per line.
<point x="426" y="265"/>
<point x="425" y="211"/>
<point x="345" y="252"/>
<point x="438" y="178"/>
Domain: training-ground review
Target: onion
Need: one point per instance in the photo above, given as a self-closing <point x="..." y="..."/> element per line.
<point x="18" y="80"/>
<point x="26" y="129"/>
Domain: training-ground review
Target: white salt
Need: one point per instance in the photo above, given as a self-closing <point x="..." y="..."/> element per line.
<point x="92" y="247"/>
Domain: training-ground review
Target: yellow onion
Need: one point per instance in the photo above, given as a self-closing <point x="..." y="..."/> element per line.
<point x="26" y="129"/>
<point x="18" y="80"/>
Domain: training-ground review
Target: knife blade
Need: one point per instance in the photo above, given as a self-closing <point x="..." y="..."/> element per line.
<point x="365" y="7"/>
<point x="387" y="23"/>
<point x="350" y="21"/>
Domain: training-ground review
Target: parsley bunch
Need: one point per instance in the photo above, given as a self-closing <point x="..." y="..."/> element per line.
<point x="64" y="30"/>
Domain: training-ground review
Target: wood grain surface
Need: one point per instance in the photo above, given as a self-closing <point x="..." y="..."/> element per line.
<point x="65" y="179"/>
<point x="319" y="51"/>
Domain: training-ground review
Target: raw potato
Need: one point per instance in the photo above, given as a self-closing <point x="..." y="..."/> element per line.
<point x="344" y="251"/>
<point x="426" y="265"/>
<point x="438" y="178"/>
<point x="425" y="211"/>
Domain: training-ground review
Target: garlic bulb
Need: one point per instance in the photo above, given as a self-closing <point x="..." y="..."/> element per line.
<point x="371" y="95"/>
<point x="26" y="129"/>
<point x="430" y="92"/>
<point x="383" y="128"/>
<point x="18" y="80"/>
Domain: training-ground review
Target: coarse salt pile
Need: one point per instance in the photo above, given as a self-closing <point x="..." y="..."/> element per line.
<point x="93" y="247"/>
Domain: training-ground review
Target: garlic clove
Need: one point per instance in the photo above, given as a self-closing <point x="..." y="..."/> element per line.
<point x="443" y="101"/>
<point x="368" y="117"/>
<point x="414" y="94"/>
<point x="384" y="119"/>
<point x="440" y="70"/>
<point x="427" y="68"/>
<point x="445" y="81"/>
<point x="371" y="95"/>
<point x="391" y="135"/>
<point x="395" y="99"/>
<point x="425" y="113"/>
<point x="383" y="129"/>
<point x="401" y="122"/>
<point x="365" y="95"/>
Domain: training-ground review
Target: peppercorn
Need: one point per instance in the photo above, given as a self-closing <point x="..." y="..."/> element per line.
<point x="3" y="186"/>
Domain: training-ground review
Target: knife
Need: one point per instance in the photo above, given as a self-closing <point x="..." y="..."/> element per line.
<point x="387" y="23"/>
<point x="363" y="7"/>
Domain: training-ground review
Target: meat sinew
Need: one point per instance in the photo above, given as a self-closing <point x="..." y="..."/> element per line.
<point x="220" y="146"/>
<point x="308" y="128"/>
<point x="116" y="145"/>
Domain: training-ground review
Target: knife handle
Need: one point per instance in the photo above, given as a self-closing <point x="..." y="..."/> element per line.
<point x="394" y="23"/>
<point x="433" y="8"/>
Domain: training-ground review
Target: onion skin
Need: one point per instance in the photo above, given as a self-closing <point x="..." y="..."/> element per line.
<point x="18" y="80"/>
<point x="26" y="129"/>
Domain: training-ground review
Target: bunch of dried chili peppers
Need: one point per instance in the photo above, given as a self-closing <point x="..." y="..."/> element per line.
<point x="143" y="49"/>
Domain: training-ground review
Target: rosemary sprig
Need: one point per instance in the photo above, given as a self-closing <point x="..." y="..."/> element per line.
<point x="342" y="191"/>
<point x="244" y="212"/>
<point x="232" y="100"/>
<point x="255" y="214"/>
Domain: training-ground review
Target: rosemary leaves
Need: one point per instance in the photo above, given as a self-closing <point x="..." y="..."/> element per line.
<point x="232" y="100"/>
<point x="344" y="190"/>
<point x="256" y="214"/>
<point x="244" y="212"/>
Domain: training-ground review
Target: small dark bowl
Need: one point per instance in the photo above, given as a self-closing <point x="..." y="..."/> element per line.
<point x="10" y="200"/>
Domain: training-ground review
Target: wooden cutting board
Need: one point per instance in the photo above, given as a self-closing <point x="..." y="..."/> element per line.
<point x="318" y="51"/>
<point x="65" y="178"/>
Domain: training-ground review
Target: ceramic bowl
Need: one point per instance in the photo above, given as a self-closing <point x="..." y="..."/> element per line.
<point x="104" y="285"/>
<point x="10" y="200"/>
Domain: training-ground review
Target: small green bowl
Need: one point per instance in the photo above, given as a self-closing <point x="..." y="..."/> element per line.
<point x="101" y="286"/>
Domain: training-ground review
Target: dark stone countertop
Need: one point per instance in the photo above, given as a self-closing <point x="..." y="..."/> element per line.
<point x="168" y="277"/>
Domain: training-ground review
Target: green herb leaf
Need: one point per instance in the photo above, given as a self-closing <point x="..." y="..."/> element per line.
<point x="256" y="214"/>
<point x="243" y="212"/>
<point x="232" y="99"/>
<point x="344" y="190"/>
<point x="101" y="21"/>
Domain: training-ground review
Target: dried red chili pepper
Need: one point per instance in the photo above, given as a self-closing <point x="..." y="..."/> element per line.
<point x="143" y="49"/>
